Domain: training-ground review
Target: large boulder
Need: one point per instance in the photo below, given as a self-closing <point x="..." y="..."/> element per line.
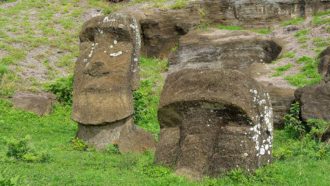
<point x="105" y="75"/>
<point x="38" y="103"/>
<point x="214" y="48"/>
<point x="324" y="65"/>
<point x="213" y="121"/>
<point x="314" y="101"/>
<point x="163" y="28"/>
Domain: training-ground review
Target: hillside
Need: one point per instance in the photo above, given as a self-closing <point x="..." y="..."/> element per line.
<point x="40" y="51"/>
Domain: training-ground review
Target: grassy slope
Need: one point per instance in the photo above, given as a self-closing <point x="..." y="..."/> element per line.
<point x="39" y="25"/>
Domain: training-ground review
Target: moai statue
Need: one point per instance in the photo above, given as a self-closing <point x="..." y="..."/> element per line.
<point x="106" y="73"/>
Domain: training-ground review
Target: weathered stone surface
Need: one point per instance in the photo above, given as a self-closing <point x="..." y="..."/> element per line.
<point x="324" y="65"/>
<point x="136" y="140"/>
<point x="237" y="50"/>
<point x="223" y="49"/>
<point x="259" y="12"/>
<point x="123" y="133"/>
<point x="100" y="136"/>
<point x="314" y="101"/>
<point x="106" y="70"/>
<point x="40" y="104"/>
<point x="162" y="29"/>
<point x="105" y="75"/>
<point x="281" y="99"/>
<point x="213" y="121"/>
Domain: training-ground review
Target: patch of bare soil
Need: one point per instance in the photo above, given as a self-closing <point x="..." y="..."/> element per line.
<point x="9" y="5"/>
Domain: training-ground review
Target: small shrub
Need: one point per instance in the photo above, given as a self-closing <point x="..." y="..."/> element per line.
<point x="63" y="89"/>
<point x="292" y="122"/>
<point x="20" y="149"/>
<point x="282" y="153"/>
<point x="113" y="149"/>
<point x="318" y="128"/>
<point x="78" y="144"/>
<point x="238" y="175"/>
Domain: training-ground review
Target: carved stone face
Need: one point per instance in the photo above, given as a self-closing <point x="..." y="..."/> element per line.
<point x="102" y="88"/>
<point x="218" y="120"/>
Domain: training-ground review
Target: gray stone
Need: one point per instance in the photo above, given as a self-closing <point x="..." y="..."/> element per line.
<point x="38" y="103"/>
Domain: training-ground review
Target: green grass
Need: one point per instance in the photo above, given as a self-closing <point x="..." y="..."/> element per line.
<point x="32" y="24"/>
<point x="298" y="161"/>
<point x="179" y="4"/>
<point x="264" y="31"/>
<point x="147" y="96"/>
<point x="308" y="74"/>
<point x="295" y="21"/>
<point x="321" y="18"/>
<point x="279" y="71"/>
<point x="229" y="27"/>
<point x="288" y="55"/>
<point x="302" y="35"/>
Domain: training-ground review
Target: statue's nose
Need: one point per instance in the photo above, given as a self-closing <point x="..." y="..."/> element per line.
<point x="96" y="65"/>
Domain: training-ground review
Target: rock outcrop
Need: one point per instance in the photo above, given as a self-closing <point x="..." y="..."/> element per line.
<point x="259" y="12"/>
<point x="40" y="104"/>
<point x="213" y="121"/>
<point x="314" y="101"/>
<point x="236" y="50"/>
<point x="324" y="65"/>
<point x="105" y="75"/>
<point x="162" y="28"/>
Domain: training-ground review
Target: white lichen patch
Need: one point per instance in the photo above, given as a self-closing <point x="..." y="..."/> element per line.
<point x="107" y="19"/>
<point x="263" y="129"/>
<point x="100" y="30"/>
<point x="116" y="54"/>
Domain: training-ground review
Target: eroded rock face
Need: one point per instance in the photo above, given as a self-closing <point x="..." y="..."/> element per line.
<point x="162" y="29"/>
<point x="216" y="49"/>
<point x="314" y="101"/>
<point x="324" y="65"/>
<point x="213" y="121"/>
<point x="40" y="104"/>
<point x="105" y="75"/>
<point x="259" y="12"/>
